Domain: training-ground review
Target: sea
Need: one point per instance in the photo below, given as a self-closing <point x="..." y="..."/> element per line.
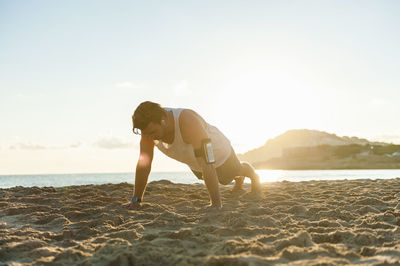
<point x="60" y="180"/>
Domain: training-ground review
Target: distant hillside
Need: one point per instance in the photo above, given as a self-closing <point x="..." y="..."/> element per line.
<point x="275" y="147"/>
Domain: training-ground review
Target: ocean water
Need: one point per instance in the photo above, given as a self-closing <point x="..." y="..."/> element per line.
<point x="59" y="180"/>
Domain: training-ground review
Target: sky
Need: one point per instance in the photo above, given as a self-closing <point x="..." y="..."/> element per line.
<point x="73" y="72"/>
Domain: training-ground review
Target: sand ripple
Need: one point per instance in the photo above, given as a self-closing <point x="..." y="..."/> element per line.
<point x="305" y="223"/>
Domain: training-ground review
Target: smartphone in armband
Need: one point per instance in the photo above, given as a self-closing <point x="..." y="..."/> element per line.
<point x="208" y="151"/>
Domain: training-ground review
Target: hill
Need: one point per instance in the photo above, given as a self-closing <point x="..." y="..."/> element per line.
<point x="312" y="149"/>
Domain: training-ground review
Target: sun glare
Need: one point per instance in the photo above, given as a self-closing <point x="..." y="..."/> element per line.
<point x="268" y="102"/>
<point x="269" y="175"/>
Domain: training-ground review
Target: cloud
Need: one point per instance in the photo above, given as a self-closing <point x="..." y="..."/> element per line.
<point x="104" y="142"/>
<point x="113" y="143"/>
<point x="75" y="144"/>
<point x="27" y="146"/>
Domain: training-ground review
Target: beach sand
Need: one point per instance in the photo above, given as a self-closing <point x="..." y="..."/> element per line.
<point x="296" y="223"/>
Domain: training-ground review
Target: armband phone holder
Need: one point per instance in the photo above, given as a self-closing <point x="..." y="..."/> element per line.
<point x="206" y="151"/>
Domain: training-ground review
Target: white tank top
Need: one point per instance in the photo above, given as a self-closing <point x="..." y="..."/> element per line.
<point x="183" y="152"/>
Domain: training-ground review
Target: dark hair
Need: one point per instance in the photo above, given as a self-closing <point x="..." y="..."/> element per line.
<point x="147" y="112"/>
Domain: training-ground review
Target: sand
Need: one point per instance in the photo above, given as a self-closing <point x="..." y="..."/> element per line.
<point x="304" y="223"/>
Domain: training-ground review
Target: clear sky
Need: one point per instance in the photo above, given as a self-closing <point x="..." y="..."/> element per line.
<point x="72" y="73"/>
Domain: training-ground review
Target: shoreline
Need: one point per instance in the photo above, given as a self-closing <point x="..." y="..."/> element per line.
<point x="306" y="222"/>
<point x="186" y="177"/>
